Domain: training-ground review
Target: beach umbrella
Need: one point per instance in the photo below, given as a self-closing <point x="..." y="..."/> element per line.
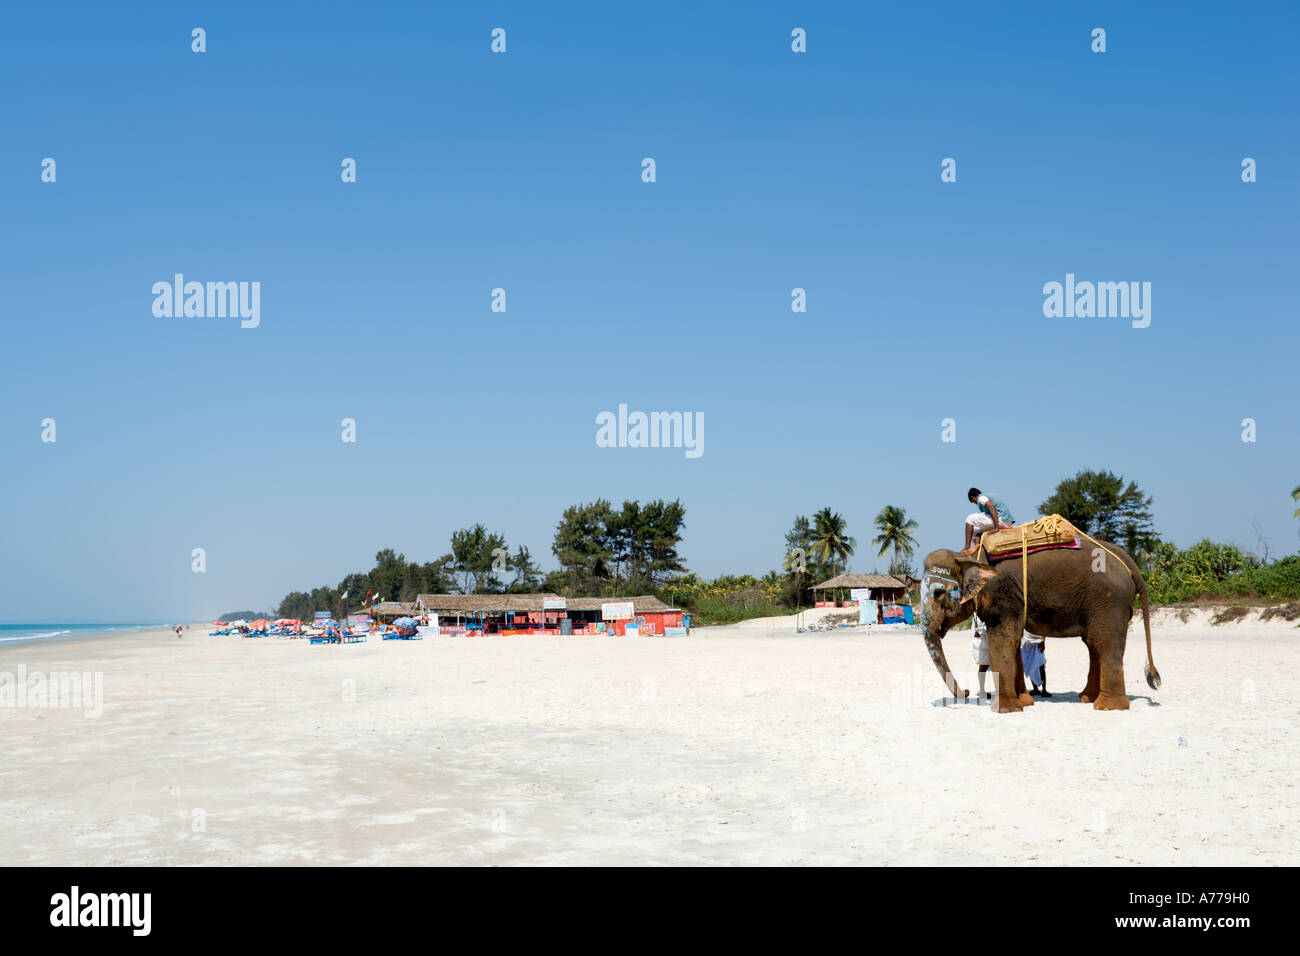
<point x="404" y="622"/>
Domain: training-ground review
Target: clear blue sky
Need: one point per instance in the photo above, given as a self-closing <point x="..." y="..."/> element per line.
<point x="475" y="170"/>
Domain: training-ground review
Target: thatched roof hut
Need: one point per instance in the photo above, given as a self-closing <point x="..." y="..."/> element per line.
<point x="517" y="603"/>
<point x="880" y="587"/>
<point x="391" y="610"/>
<point x="847" y="580"/>
<point x="641" y="604"/>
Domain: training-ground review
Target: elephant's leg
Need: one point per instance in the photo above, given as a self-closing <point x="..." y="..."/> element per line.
<point x="1092" y="689"/>
<point x="1004" y="648"/>
<point x="1110" y="642"/>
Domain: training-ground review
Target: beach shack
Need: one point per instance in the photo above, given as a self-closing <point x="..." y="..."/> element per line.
<point x="388" y="611"/>
<point x="888" y="593"/>
<point x="514" y="614"/>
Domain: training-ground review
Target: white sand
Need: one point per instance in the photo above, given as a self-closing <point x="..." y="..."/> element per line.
<point x="746" y="745"/>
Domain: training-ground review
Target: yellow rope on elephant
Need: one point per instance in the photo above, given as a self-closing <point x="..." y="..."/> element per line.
<point x="1046" y="525"/>
<point x="1106" y="549"/>
<point x="1024" y="578"/>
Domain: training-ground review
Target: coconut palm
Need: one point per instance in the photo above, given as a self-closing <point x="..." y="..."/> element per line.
<point x="895" y="532"/>
<point x="797" y="542"/>
<point x="829" y="542"/>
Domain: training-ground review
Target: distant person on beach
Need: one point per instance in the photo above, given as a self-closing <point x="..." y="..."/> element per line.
<point x="993" y="515"/>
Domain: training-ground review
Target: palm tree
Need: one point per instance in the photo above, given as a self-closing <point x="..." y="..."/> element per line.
<point x="1295" y="496"/>
<point x="829" y="541"/>
<point x="895" y="532"/>
<point x="797" y="542"/>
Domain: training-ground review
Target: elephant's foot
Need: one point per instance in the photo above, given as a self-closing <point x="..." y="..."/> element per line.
<point x="1089" y="694"/>
<point x="1111" y="702"/>
<point x="1007" y="705"/>
<point x="1025" y="699"/>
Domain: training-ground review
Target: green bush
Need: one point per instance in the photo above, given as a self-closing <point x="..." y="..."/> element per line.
<point x="732" y="609"/>
<point x="1213" y="570"/>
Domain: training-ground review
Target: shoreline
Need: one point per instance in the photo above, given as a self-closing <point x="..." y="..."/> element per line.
<point x="79" y="634"/>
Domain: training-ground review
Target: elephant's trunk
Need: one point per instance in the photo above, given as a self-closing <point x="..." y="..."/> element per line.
<point x="934" y="644"/>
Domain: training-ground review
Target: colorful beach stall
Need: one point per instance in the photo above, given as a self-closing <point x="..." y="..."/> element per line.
<point x="880" y="598"/>
<point x="524" y="614"/>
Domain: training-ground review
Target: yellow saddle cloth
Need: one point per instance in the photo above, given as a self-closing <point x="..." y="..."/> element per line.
<point x="1051" y="531"/>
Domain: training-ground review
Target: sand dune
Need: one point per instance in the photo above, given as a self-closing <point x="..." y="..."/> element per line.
<point x="736" y="745"/>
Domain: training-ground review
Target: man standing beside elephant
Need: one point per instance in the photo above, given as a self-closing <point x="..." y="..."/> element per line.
<point x="1033" y="654"/>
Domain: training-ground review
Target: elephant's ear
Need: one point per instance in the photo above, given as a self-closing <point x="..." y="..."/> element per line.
<point x="975" y="575"/>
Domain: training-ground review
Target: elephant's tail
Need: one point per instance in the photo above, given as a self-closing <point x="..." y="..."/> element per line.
<point x="1153" y="675"/>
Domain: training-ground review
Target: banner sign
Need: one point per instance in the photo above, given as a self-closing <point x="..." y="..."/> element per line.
<point x="322" y="615"/>
<point x="617" y="611"/>
<point x="553" y="604"/>
<point x="860" y="594"/>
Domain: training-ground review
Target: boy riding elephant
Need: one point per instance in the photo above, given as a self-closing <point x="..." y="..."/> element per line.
<point x="993" y="515"/>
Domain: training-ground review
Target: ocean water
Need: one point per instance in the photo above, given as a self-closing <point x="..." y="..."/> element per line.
<point x="11" y="634"/>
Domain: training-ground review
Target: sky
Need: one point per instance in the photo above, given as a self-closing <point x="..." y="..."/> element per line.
<point x="522" y="170"/>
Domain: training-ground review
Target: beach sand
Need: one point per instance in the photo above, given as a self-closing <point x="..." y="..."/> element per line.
<point x="742" y="745"/>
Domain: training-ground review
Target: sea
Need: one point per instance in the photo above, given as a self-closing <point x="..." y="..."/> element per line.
<point x="11" y="634"/>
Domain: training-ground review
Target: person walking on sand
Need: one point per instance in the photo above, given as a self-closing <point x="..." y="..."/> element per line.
<point x="993" y="515"/>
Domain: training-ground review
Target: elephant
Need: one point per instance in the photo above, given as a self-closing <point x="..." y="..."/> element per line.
<point x="1073" y="592"/>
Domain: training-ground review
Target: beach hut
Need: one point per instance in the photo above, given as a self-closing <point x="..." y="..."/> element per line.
<point x="488" y="613"/>
<point x="541" y="614"/>
<point x="386" y="611"/>
<point x="879" y="587"/>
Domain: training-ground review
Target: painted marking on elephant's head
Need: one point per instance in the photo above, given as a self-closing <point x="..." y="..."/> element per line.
<point x="927" y="600"/>
<point x="932" y="585"/>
